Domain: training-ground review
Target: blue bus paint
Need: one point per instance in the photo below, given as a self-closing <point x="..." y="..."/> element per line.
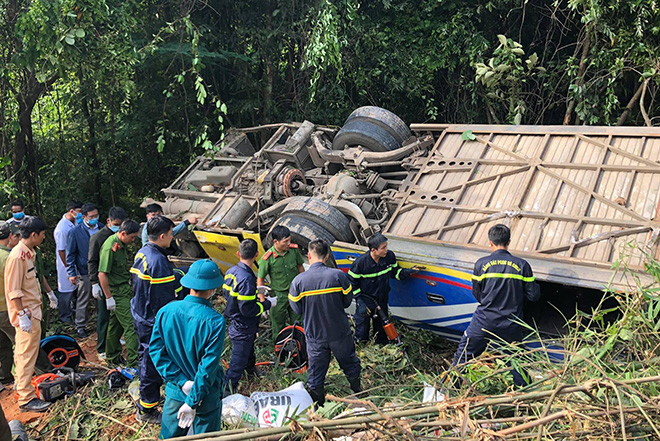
<point x="411" y="300"/>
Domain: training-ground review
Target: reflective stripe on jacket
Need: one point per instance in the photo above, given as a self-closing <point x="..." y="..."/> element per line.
<point x="371" y="280"/>
<point x="243" y="307"/>
<point x="153" y="282"/>
<point x="500" y="283"/>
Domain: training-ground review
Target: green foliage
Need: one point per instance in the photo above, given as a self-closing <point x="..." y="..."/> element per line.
<point x="127" y="92"/>
<point x="504" y="76"/>
<point x="325" y="44"/>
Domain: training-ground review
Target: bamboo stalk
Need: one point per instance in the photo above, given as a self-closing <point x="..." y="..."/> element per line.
<point x="417" y="412"/>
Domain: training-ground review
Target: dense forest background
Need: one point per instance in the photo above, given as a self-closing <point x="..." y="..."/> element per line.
<point x="107" y="100"/>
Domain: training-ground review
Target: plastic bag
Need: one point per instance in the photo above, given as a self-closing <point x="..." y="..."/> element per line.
<point x="432" y="395"/>
<point x="274" y="409"/>
<point x="266" y="409"/>
<point x="237" y="409"/>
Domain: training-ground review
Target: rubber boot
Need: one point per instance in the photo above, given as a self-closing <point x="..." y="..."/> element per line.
<point x="318" y="396"/>
<point x="356" y="386"/>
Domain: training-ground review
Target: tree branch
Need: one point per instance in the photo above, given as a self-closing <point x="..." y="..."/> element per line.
<point x="641" y="103"/>
<point x="631" y="104"/>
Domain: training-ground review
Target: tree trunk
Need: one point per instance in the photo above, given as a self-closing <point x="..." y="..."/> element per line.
<point x="25" y="158"/>
<point x="624" y="116"/>
<point x="88" y="110"/>
<point x="586" y="43"/>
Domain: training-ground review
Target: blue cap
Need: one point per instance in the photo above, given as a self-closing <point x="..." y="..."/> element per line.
<point x="203" y="275"/>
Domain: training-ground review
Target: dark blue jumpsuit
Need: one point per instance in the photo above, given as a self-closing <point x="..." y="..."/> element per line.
<point x="243" y="311"/>
<point x="154" y="286"/>
<point x="371" y="288"/>
<point x="321" y="294"/>
<point x="500" y="283"/>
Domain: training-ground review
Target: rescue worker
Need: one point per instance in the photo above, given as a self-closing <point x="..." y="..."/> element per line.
<point x="500" y="283"/>
<point x="186" y="347"/>
<point x="243" y="311"/>
<point x="77" y="253"/>
<point x="370" y="276"/>
<point x="9" y="237"/>
<point x="321" y="294"/>
<point x="116" y="216"/>
<point x="154" y="210"/>
<point x="66" y="289"/>
<point x="153" y="287"/>
<point x="114" y="278"/>
<point x="282" y="262"/>
<point x="180" y="291"/>
<point x="24" y="304"/>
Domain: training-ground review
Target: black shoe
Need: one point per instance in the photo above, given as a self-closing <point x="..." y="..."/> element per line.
<point x="148" y="416"/>
<point x="35" y="405"/>
<point x="82" y="333"/>
<point x="7" y="380"/>
<point x="318" y="396"/>
<point x="356" y="386"/>
<point x="254" y="373"/>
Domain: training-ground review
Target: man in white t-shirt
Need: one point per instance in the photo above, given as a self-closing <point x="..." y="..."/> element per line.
<point x="66" y="289"/>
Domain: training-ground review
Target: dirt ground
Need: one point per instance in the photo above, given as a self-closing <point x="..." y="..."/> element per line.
<point x="8" y="397"/>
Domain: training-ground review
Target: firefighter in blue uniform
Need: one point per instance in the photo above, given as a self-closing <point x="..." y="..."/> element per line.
<point x="500" y="283"/>
<point x="370" y="276"/>
<point x="154" y="286"/>
<point x="321" y="294"/>
<point x="186" y="347"/>
<point x="243" y="311"/>
<point x="180" y="291"/>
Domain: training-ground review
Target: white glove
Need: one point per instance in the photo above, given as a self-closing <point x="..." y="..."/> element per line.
<point x="97" y="292"/>
<point x="263" y="289"/>
<point x="52" y="299"/>
<point x="186" y="416"/>
<point x="273" y="301"/>
<point x="187" y="386"/>
<point x="110" y="304"/>
<point x="24" y="323"/>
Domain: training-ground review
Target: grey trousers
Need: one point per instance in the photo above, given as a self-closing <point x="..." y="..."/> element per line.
<point x="83" y="295"/>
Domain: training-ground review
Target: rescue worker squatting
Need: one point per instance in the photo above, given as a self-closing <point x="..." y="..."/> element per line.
<point x="500" y="283"/>
<point x="321" y="294"/>
<point x="370" y="276"/>
<point x="186" y="347"/>
<point x="244" y="311"/>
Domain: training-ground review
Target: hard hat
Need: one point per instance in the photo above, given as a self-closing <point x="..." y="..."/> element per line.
<point x="203" y="275"/>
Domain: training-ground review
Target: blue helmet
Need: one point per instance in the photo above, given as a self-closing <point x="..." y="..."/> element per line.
<point x="203" y="275"/>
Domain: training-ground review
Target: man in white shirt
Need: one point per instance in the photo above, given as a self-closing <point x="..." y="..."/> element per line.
<point x="65" y="288"/>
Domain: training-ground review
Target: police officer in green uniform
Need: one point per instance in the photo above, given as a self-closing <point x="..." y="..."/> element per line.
<point x="282" y="262"/>
<point x="114" y="279"/>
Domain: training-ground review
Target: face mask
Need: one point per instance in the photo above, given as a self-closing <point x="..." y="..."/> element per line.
<point x="79" y="218"/>
<point x="114" y="228"/>
<point x="92" y="222"/>
<point x="19" y="215"/>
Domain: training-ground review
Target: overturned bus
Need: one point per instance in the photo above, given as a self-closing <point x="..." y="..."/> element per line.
<point x="578" y="201"/>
